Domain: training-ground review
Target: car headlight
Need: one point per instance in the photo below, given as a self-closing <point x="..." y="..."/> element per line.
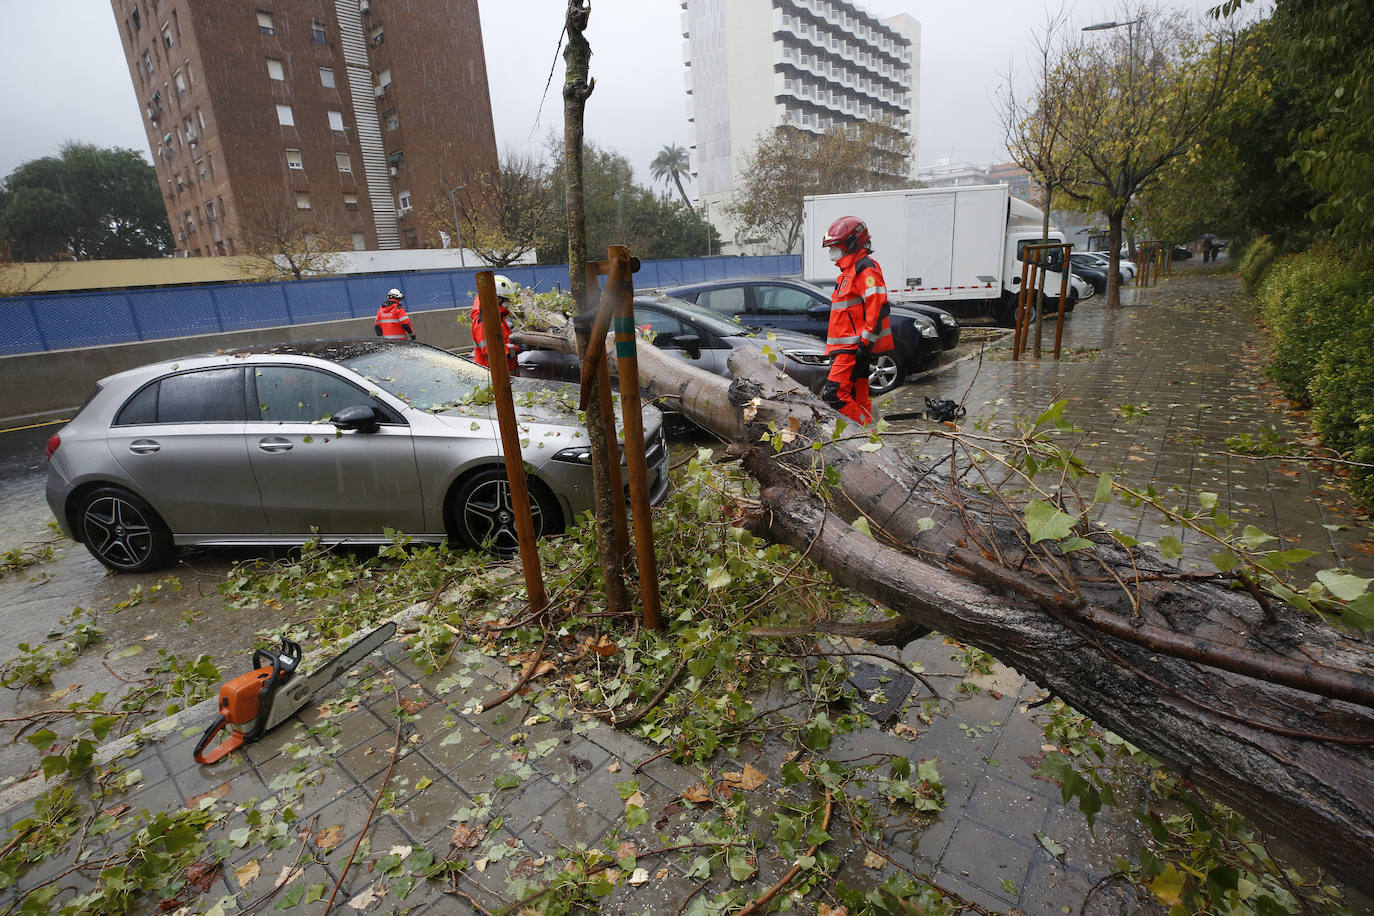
<point x="928" y="330"/>
<point x="949" y="320"/>
<point x="808" y="357"/>
<point x="582" y="454"/>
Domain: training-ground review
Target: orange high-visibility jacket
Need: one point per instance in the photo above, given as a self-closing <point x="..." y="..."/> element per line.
<point x="858" y="307"/>
<point x="393" y="321"/>
<point x="479" y="334"/>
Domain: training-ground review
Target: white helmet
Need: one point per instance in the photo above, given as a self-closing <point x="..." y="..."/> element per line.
<point x="505" y="287"/>
<point x="395" y="294"/>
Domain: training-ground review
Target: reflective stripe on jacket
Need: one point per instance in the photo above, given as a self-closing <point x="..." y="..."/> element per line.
<point x="479" y="334"/>
<point x="393" y="320"/>
<point x="858" y="307"/>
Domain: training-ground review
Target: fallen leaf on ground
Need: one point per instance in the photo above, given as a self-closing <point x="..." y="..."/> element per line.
<point x="697" y="793"/>
<point x="365" y="898"/>
<point x="530" y="670"/>
<point x="626" y="848"/>
<point x="402" y="851"/>
<point x="636" y="799"/>
<point x="748" y="778"/>
<point x="874" y="860"/>
<point x="61" y="694"/>
<point x="614" y="767"/>
<point x="201" y="875"/>
<point x="465" y="837"/>
<point x="902" y="730"/>
<point x="218" y="791"/>
<point x="825" y="909"/>
<point x="288" y="874"/>
<point x="638" y="876"/>
<point x="247" y="874"/>
<point x="412" y="706"/>
<point x="329" y="837"/>
<point x="115" y="810"/>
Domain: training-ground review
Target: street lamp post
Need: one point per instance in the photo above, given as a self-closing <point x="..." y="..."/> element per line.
<point x="457" y="233"/>
<point x="706" y="216"/>
<point x="1129" y="25"/>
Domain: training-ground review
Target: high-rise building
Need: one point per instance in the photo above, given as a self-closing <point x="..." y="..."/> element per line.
<point x="371" y="111"/>
<point x="753" y="65"/>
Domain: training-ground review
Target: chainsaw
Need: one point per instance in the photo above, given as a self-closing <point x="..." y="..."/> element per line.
<point x="253" y="704"/>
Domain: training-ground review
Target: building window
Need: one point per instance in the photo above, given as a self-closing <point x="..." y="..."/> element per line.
<point x="359" y="241"/>
<point x="200" y="169"/>
<point x="391" y="120"/>
<point x="350" y="201"/>
<point x="179" y="82"/>
<point x="336" y="121"/>
<point x="148" y="62"/>
<point x="405" y="204"/>
<point x="397" y="161"/>
<point x="265" y="23"/>
<point x="284" y="116"/>
<point x="167" y="35"/>
<point x="412" y="239"/>
<point x="275" y="70"/>
<point x="384" y="80"/>
<point x="327" y="77"/>
<point x="294" y="161"/>
<point x="190" y="126"/>
<point x="317" y="32"/>
<point x="210" y="158"/>
<point x="376" y="36"/>
<point x="345" y="164"/>
<point x="138" y="21"/>
<point x="210" y="211"/>
<point x="190" y="223"/>
<point x="302" y="200"/>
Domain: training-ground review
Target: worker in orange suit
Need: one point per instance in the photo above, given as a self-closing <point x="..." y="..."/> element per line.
<point x="392" y="320"/>
<point x="505" y="293"/>
<point x="859" y="321"/>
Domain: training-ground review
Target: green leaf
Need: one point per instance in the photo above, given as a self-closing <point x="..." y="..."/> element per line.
<point x="635" y="816"/>
<point x="1171" y="547"/>
<point x="506" y="781"/>
<point x="1167" y="887"/>
<point x="291" y="898"/>
<point x="860" y="524"/>
<point x="42" y="740"/>
<point x="126" y="652"/>
<point x="1075" y="543"/>
<point x="1253" y="537"/>
<point x="1225" y="561"/>
<point x="1343" y="585"/>
<point x="1104" y="489"/>
<point x="870" y="446"/>
<point x="1207" y="500"/>
<point x="1045" y="522"/>
<point x="54" y="766"/>
<point x="717" y="577"/>
<point x="1054" y="412"/>
<point x="627" y="788"/>
<point x="701" y="868"/>
<point x="424" y="783"/>
<point x="1050" y="845"/>
<point x="740" y="867"/>
<point x="314" y="892"/>
<point x="1360" y="612"/>
<point x="924" y="524"/>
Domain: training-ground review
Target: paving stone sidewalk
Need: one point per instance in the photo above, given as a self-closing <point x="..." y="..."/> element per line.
<point x="1194" y="365"/>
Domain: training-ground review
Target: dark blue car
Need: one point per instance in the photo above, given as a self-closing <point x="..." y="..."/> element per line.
<point x="794" y="305"/>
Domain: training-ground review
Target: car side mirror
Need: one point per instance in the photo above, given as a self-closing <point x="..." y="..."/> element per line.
<point x="689" y="344"/>
<point x="359" y="418"/>
<point x="820" y="310"/>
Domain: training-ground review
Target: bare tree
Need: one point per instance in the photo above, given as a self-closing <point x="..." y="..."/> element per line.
<point x="1131" y="105"/>
<point x="789" y="163"/>
<point x="502" y="215"/>
<point x="289" y="238"/>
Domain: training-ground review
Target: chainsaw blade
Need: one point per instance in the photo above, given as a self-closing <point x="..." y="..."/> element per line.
<point x="296" y="692"/>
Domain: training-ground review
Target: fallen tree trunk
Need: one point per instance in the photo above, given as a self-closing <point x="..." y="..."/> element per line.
<point x="1265" y="707"/>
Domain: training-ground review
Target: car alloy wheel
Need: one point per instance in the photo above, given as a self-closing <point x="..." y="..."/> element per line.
<point x="483" y="512"/>
<point x="123" y="532"/>
<point x="884" y="373"/>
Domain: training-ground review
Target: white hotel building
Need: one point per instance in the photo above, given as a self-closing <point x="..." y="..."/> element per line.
<point x="755" y="64"/>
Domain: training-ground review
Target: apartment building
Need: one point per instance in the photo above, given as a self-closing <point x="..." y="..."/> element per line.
<point x="370" y="111"/>
<point x="755" y="64"/>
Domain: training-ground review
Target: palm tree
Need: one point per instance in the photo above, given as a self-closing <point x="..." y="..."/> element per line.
<point x="671" y="163"/>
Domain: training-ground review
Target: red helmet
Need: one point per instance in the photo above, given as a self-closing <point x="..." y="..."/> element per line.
<point x="849" y="233"/>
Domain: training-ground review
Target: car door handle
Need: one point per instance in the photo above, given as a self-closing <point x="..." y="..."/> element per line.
<point x="274" y="444"/>
<point x="144" y="446"/>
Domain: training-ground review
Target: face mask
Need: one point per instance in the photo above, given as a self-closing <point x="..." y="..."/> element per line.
<point x="836" y="253"/>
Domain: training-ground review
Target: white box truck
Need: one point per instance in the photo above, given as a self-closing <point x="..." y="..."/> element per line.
<point x="958" y="248"/>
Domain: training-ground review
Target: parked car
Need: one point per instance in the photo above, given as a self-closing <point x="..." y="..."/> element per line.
<point x="795" y="305"/>
<point x="1102" y="261"/>
<point x="347" y="439"/>
<point x="1094" y="275"/>
<point x="702" y="338"/>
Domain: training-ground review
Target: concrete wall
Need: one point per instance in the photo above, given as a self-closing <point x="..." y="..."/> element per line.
<point x="44" y="386"/>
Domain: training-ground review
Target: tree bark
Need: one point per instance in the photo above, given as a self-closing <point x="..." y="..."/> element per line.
<point x="1272" y="716"/>
<point x="577" y="88"/>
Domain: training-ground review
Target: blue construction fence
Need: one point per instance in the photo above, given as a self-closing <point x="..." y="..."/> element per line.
<point x="35" y="324"/>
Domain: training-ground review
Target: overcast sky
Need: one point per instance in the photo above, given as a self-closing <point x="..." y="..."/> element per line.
<point x="66" y="77"/>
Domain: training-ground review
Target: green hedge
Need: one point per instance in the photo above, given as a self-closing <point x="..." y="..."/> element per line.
<point x="1319" y="306"/>
<point x="1254" y="260"/>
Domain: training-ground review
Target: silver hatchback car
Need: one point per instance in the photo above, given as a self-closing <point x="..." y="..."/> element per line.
<point x="347" y="440"/>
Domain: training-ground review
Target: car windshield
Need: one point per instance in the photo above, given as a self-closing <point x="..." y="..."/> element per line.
<point x="426" y="378"/>
<point x="707" y="319"/>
